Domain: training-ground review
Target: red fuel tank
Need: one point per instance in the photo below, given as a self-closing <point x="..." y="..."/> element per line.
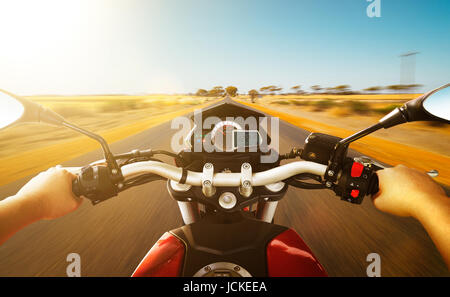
<point x="288" y="255"/>
<point x="165" y="258"/>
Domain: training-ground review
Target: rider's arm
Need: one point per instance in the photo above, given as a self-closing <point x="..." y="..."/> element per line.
<point x="409" y="192"/>
<point x="46" y="196"/>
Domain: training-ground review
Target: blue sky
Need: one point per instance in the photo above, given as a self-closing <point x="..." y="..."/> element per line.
<point x="176" y="46"/>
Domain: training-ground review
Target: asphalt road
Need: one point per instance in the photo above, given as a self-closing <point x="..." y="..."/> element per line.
<point x="112" y="237"/>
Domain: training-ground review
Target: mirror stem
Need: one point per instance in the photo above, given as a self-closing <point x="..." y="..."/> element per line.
<point x="109" y="157"/>
<point x="361" y="134"/>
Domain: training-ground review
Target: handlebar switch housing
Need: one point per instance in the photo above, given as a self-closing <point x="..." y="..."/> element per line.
<point x="356" y="181"/>
<point x="319" y="147"/>
<point x="95" y="183"/>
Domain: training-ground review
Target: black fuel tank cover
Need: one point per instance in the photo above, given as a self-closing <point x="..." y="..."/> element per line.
<point x="233" y="238"/>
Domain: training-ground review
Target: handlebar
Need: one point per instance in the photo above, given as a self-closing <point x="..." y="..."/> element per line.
<point x="94" y="181"/>
<point x="223" y="179"/>
<point x="193" y="178"/>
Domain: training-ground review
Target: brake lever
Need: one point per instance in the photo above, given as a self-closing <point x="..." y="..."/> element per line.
<point x="366" y="160"/>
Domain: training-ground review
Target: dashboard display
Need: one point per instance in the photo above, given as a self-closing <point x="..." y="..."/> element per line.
<point x="246" y="138"/>
<point x="225" y="136"/>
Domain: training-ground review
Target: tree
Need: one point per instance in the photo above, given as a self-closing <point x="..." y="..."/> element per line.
<point x="216" y="92"/>
<point x="295" y="88"/>
<point x="342" y="88"/>
<point x="373" y="89"/>
<point x="201" y="92"/>
<point x="403" y="87"/>
<point x="275" y="89"/>
<point x="266" y="89"/>
<point x="298" y="89"/>
<point x="253" y="94"/>
<point x="232" y="91"/>
<point x="316" y="88"/>
<point x="270" y="89"/>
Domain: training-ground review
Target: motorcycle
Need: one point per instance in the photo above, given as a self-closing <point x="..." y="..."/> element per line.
<point x="227" y="197"/>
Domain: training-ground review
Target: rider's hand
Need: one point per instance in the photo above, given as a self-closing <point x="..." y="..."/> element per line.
<point x="51" y="193"/>
<point x="409" y="192"/>
<point x="406" y="192"/>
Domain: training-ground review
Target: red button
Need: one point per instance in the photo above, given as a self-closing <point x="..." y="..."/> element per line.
<point x="357" y="169"/>
<point x="354" y="193"/>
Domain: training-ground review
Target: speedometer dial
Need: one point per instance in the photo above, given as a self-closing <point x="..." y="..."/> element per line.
<point x="222" y="135"/>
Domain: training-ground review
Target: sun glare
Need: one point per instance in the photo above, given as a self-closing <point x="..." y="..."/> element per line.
<point x="46" y="40"/>
<point x="31" y="27"/>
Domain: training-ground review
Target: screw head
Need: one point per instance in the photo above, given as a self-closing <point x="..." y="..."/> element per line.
<point x="227" y="199"/>
<point x="246" y="166"/>
<point x="328" y="184"/>
<point x="330" y="172"/>
<point x="312" y="155"/>
<point x="237" y="268"/>
<point x="246" y="183"/>
<point x="207" y="183"/>
<point x="208" y="165"/>
<point x="207" y="268"/>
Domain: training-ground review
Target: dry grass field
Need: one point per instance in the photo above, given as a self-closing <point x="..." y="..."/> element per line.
<point x="341" y="105"/>
<point x="23" y="147"/>
<point x="29" y="148"/>
<point x="95" y="113"/>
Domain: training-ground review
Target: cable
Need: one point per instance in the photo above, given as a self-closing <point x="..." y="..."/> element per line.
<point x="146" y="154"/>
<point x="140" y="180"/>
<point x="139" y="159"/>
<point x="295" y="182"/>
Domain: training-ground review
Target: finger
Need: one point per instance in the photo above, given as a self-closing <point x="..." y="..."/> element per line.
<point x="79" y="200"/>
<point x="375" y="196"/>
<point x="50" y="169"/>
<point x="71" y="174"/>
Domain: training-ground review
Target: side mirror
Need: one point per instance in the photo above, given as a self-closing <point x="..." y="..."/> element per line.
<point x="15" y="109"/>
<point x="432" y="106"/>
<point x="438" y="103"/>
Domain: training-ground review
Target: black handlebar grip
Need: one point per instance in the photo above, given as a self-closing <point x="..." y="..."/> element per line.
<point x="374" y="185"/>
<point x="76" y="187"/>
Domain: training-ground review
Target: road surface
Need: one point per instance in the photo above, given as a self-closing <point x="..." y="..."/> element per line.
<point x="112" y="237"/>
